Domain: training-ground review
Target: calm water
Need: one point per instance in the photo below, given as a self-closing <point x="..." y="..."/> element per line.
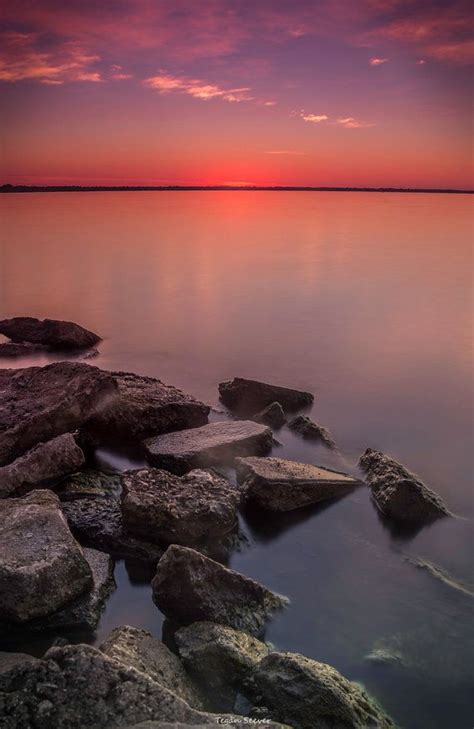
<point x="363" y="299"/>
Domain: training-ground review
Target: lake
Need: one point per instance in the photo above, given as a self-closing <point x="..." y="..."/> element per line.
<point x="364" y="299"/>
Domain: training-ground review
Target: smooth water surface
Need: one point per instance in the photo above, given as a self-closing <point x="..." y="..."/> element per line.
<point x="363" y="299"/>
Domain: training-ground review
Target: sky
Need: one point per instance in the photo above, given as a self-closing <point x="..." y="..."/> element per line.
<point x="209" y="92"/>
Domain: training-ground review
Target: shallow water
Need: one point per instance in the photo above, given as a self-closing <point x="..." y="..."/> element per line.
<point x="363" y="299"/>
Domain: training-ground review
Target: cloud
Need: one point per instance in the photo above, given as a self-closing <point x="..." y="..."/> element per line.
<point x="283" y="151"/>
<point x="374" y="61"/>
<point x="269" y="103"/>
<point x="314" y="118"/>
<point x="166" y="83"/>
<point x="349" y="122"/>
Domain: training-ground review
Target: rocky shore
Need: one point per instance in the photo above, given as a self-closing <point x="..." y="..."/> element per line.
<point x="63" y="523"/>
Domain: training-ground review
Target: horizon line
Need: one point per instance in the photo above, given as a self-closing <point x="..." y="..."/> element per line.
<point x="9" y="188"/>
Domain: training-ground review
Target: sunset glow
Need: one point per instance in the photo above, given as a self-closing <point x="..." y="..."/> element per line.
<point x="146" y="92"/>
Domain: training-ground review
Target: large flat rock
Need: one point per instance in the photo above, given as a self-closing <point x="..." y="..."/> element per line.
<point x="145" y="406"/>
<point x="52" y="333"/>
<point x="189" y="587"/>
<point x="398" y="493"/>
<point x="42" y="567"/>
<point x="248" y="396"/>
<point x="165" y="508"/>
<point x="280" y="485"/>
<point x="78" y="687"/>
<point x="139" y="649"/>
<point x="209" y="445"/>
<point x="43" y="465"/>
<point x="39" y="403"/>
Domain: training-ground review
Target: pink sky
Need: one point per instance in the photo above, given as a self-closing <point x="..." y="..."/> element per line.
<point x="335" y="92"/>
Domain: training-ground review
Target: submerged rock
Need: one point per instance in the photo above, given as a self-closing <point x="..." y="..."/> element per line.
<point x="79" y="687"/>
<point x="144" y="407"/>
<point x="280" y="485"/>
<point x="139" y="649"/>
<point x="20" y="349"/>
<point x="398" y="493"/>
<point x="52" y="333"/>
<point x="41" y="565"/>
<point x="189" y="587"/>
<point x="39" y="403"/>
<point x="45" y="464"/>
<point x="311" y="430"/>
<point x="165" y="508"/>
<point x="212" y="444"/>
<point x="220" y="657"/>
<point x="248" y="396"/>
<point x="309" y="694"/>
<point x="273" y="415"/>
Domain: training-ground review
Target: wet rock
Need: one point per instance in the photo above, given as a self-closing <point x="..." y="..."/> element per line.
<point x="308" y="694"/>
<point x="9" y="661"/>
<point x="398" y="493"/>
<point x="41" y="565"/>
<point x="140" y="650"/>
<point x="311" y="430"/>
<point x="79" y="687"/>
<point x="189" y="587"/>
<point x="273" y="415"/>
<point x="98" y="523"/>
<point x="52" y="333"/>
<point x="248" y="396"/>
<point x="39" y="403"/>
<point x="45" y="464"/>
<point x="90" y="484"/>
<point x="386" y="653"/>
<point x="20" y="349"/>
<point x="212" y="444"/>
<point x="280" y="485"/>
<point x="220" y="657"/>
<point x="165" y="508"/>
<point x="145" y="407"/>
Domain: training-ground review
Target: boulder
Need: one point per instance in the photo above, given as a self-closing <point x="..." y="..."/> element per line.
<point x="44" y="464"/>
<point x="20" y="349"/>
<point x="78" y="687"/>
<point x="273" y="415"/>
<point x="189" y="587"/>
<point x="248" y="396"/>
<point x="39" y="403"/>
<point x="309" y="694"/>
<point x="219" y="657"/>
<point x="311" y="430"/>
<point x="145" y="407"/>
<point x="279" y="485"/>
<point x="90" y="484"/>
<point x="213" y="444"/>
<point x="52" y="333"/>
<point x="139" y="649"/>
<point x="9" y="661"/>
<point x="42" y="567"/>
<point x="97" y="522"/>
<point x="398" y="493"/>
<point x="162" y="507"/>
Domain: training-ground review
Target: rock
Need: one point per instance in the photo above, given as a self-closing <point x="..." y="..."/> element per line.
<point x="140" y="650"/>
<point x="145" y="407"/>
<point x="90" y="484"/>
<point x="52" y="333"/>
<point x="8" y="661"/>
<point x="78" y="687"/>
<point x="165" y="508"/>
<point x="398" y="493"/>
<point x="308" y="694"/>
<point x="39" y="403"/>
<point x="212" y="444"/>
<point x="311" y="430"/>
<point x="189" y="587"/>
<point x="273" y="415"/>
<point x="42" y="567"/>
<point x="44" y="464"/>
<point x="248" y="396"/>
<point x="98" y="523"/>
<point x="20" y="349"/>
<point x="220" y="657"/>
<point x="279" y="485"/>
